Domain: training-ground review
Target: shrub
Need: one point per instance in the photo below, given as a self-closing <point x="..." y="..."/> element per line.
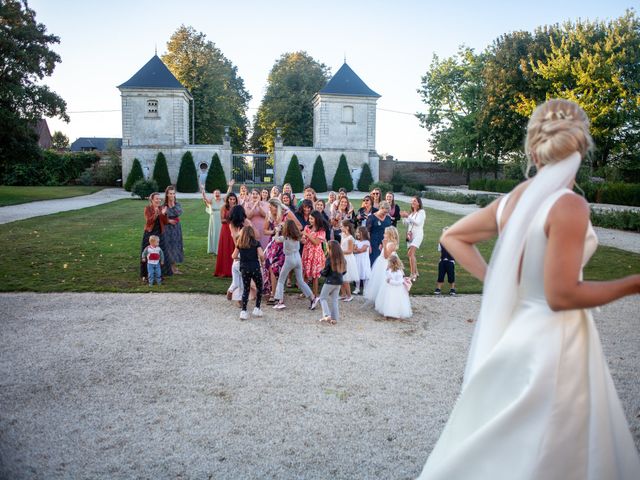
<point x="383" y="186"/>
<point x="161" y="172"/>
<point x="483" y="200"/>
<point x="493" y="185"/>
<point x="408" y="190"/>
<point x="618" y="219"/>
<point x="216" y="179"/>
<point x="52" y="168"/>
<point x="134" y="175"/>
<point x="187" y="176"/>
<point x="294" y="175"/>
<point x="366" y="178"/>
<point x="107" y="172"/>
<point x="318" y="178"/>
<point x="143" y="188"/>
<point x="397" y="180"/>
<point x="342" y="178"/>
<point x="456" y="197"/>
<point x="86" y="178"/>
<point x="612" y="193"/>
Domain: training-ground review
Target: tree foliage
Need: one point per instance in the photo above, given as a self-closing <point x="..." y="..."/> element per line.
<point x="219" y="93"/>
<point x="161" y="172"/>
<point x="342" y="178"/>
<point x="216" y="178"/>
<point x="288" y="101"/>
<point x="477" y="105"/>
<point x="318" y="177"/>
<point x="187" y="176"/>
<point x="294" y="175"/>
<point x="25" y="59"/>
<point x="59" y="141"/>
<point x="366" y="178"/>
<point x="134" y="175"/>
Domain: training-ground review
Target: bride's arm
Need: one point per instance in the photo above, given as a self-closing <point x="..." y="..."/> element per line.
<point x="566" y="227"/>
<point x="460" y="239"/>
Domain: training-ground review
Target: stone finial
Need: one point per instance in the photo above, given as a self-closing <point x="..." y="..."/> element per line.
<point x="226" y="140"/>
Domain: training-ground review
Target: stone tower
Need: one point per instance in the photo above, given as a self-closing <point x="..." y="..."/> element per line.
<point x="344" y="113"/>
<point x="155" y="108"/>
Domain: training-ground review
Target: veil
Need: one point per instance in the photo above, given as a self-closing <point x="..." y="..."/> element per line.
<point x="499" y="295"/>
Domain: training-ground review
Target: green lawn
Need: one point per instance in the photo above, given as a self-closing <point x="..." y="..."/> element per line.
<point x="96" y="249"/>
<point x="16" y="195"/>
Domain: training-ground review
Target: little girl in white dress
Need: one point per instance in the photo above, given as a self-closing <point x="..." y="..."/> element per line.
<point x="379" y="267"/>
<point x="347" y="244"/>
<point x="363" y="247"/>
<point x="393" y="298"/>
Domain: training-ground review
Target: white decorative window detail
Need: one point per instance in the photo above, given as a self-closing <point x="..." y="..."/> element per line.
<point x="152" y="108"/>
<point x="347" y="114"/>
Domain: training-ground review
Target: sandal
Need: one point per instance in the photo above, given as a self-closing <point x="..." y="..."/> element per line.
<point x="271" y="301"/>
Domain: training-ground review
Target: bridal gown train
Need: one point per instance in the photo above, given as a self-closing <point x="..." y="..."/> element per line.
<point x="541" y="404"/>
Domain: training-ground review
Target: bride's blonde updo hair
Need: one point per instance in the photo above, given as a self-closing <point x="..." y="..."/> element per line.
<point x="556" y="129"/>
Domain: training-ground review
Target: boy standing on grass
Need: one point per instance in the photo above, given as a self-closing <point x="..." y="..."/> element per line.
<point x="154" y="256"/>
<point x="446" y="266"/>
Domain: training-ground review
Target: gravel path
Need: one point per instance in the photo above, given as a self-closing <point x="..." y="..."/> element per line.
<point x="102" y="386"/>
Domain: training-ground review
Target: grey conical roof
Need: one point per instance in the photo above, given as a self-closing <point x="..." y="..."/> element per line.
<point x="346" y="82"/>
<point x="154" y="74"/>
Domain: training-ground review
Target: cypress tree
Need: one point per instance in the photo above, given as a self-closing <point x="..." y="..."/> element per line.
<point x="215" y="176"/>
<point x="294" y="175"/>
<point x="318" y="178"/>
<point x="366" y="178"/>
<point x="161" y="172"/>
<point x="342" y="178"/>
<point x="134" y="175"/>
<point x="187" y="177"/>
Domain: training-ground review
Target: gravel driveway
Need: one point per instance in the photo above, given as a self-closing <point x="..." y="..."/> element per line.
<point x="102" y="386"/>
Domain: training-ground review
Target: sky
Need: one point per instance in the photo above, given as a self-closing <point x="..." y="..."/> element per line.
<point x="389" y="44"/>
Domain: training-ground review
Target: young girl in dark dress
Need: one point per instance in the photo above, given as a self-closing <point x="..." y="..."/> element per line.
<point x="249" y="251"/>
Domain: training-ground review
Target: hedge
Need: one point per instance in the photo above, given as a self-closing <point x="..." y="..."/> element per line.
<point x="366" y="179"/>
<point x="319" y="178"/>
<point x="294" y="175"/>
<point x="342" y="178"/>
<point x="187" y="176"/>
<point x="134" y="175"/>
<point x="504" y="185"/>
<point x="161" y="172"/>
<point x="216" y="179"/>
<point x="612" y="193"/>
<point x="51" y="169"/>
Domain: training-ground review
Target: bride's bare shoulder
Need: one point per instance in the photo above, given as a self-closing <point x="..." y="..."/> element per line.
<point x="570" y="210"/>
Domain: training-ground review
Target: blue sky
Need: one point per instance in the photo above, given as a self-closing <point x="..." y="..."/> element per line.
<point x="389" y="44"/>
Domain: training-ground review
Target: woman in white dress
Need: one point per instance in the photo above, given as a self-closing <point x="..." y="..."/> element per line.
<point x="415" y="232"/>
<point x="537" y="399"/>
<point x="390" y="243"/>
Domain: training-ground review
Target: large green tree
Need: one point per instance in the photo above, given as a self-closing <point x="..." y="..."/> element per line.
<point x="25" y="59"/>
<point x="288" y="101"/>
<point x="219" y="93"/>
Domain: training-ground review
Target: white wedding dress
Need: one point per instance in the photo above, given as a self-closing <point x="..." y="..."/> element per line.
<point x="538" y="402"/>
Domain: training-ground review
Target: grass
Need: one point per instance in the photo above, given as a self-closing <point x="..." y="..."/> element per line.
<point x="17" y="195"/>
<point x="97" y="248"/>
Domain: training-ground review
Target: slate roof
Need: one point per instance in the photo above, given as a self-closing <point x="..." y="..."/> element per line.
<point x="154" y="74"/>
<point x="346" y="82"/>
<point x="94" y="143"/>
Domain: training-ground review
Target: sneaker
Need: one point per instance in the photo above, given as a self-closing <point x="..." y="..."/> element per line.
<point x="437" y="291"/>
<point x="452" y="292"/>
<point x="244" y="315"/>
<point x="356" y="291"/>
<point x="256" y="312"/>
<point x="279" y="306"/>
<point x="314" y="303"/>
<point x="347" y="299"/>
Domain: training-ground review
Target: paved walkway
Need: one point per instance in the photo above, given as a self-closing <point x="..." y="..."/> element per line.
<point x="629" y="241"/>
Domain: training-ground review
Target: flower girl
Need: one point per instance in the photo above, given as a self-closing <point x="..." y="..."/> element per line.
<point x="393" y="298"/>
<point x="361" y="251"/>
<point x="379" y="267"/>
<point x="347" y="243"/>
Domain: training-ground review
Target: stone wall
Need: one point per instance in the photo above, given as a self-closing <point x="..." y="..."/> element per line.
<point x="201" y="154"/>
<point x="426" y="173"/>
<point x="330" y="158"/>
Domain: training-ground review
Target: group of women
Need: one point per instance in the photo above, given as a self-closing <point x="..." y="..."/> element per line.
<point x="317" y="220"/>
<point x="162" y="219"/>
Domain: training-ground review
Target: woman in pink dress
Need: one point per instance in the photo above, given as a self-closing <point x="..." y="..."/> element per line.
<point x="313" y="259"/>
<point x="258" y="211"/>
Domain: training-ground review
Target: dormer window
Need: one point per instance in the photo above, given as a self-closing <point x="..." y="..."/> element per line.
<point x="347" y="114"/>
<point x="152" y="108"/>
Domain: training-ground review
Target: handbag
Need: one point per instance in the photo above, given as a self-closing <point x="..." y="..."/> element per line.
<point x="406" y="281"/>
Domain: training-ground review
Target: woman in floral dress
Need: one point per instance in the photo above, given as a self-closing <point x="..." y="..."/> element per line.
<point x="313" y="259"/>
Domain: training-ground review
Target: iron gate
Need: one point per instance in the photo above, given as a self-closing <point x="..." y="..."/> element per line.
<point x="253" y="169"/>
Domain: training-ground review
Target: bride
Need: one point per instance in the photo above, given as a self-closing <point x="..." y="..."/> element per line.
<point x="537" y="400"/>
